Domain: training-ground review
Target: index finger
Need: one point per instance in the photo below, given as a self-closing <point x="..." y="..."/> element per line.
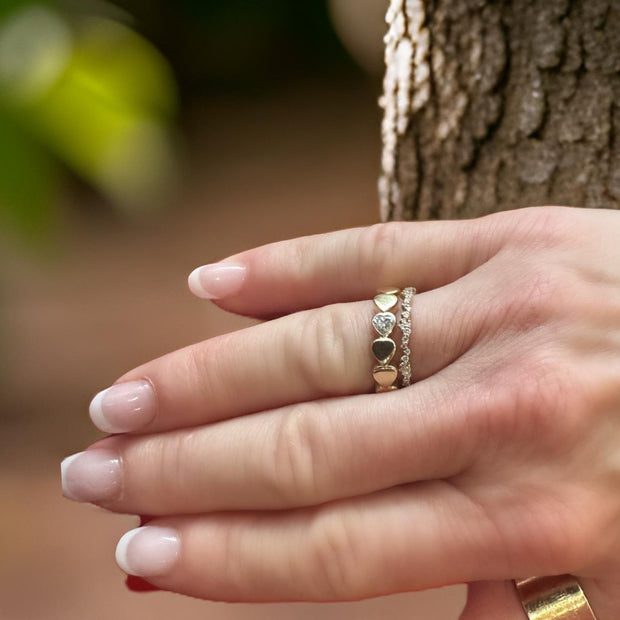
<point x="347" y="265"/>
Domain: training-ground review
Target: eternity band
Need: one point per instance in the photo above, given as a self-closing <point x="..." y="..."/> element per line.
<point x="405" y="326"/>
<point x="559" y="597"/>
<point x="383" y="347"/>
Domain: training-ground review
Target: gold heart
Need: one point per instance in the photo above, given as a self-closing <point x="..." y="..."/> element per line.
<point x="385" y="375"/>
<point x="383" y="349"/>
<point x="385" y="301"/>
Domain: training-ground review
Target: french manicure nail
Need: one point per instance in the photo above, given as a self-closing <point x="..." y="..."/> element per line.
<point x="123" y="407"/>
<point x="216" y="280"/>
<point x="148" y="551"/>
<point x="91" y="476"/>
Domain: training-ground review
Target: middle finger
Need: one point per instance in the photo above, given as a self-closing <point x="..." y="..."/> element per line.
<point x="304" y="356"/>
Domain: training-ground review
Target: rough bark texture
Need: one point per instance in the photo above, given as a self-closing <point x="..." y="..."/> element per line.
<point x="494" y="105"/>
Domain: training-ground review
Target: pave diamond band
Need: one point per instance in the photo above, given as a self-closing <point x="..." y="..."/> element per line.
<point x="404" y="323"/>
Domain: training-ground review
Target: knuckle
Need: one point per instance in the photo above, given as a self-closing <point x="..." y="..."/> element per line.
<point x="378" y="247"/>
<point x="200" y="373"/>
<point x="550" y="524"/>
<point x="335" y="556"/>
<point x="590" y="541"/>
<point x="194" y="361"/>
<point x="230" y="536"/>
<point x="538" y="399"/>
<point x="540" y="295"/>
<point x="558" y="535"/>
<point x="295" y="473"/>
<point x="541" y="227"/>
<point x="327" y="346"/>
<point x="602" y="535"/>
<point x="156" y="470"/>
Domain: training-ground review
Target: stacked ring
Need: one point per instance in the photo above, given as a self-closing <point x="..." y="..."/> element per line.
<point x="383" y="347"/>
<point x="557" y="597"/>
<point x="405" y="326"/>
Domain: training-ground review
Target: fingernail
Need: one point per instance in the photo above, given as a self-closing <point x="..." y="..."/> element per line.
<point x="123" y="407"/>
<point x="216" y="280"/>
<point x="148" y="551"/>
<point x="91" y="476"/>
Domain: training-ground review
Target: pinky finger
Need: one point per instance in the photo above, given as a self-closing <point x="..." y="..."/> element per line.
<point x="411" y="537"/>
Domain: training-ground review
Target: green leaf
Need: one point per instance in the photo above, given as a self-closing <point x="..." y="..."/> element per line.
<point x="27" y="182"/>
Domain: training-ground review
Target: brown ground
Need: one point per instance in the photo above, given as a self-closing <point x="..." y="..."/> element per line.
<point x="113" y="294"/>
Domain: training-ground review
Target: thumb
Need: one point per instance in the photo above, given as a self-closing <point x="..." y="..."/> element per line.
<point x="492" y="600"/>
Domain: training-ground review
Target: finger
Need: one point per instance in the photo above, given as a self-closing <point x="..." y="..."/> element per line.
<point x="285" y="458"/>
<point x="411" y="537"/>
<point x="305" y="356"/>
<point x="348" y="265"/>
<point x="492" y="600"/>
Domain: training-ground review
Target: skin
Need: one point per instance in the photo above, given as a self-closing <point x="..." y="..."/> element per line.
<point x="289" y="479"/>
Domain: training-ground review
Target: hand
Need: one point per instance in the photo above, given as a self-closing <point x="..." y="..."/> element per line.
<point x="275" y="473"/>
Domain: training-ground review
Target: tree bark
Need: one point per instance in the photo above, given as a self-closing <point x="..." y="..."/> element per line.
<point x="493" y="105"/>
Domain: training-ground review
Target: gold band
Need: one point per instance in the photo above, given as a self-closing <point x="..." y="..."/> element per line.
<point x="559" y="597"/>
<point x="384" y="348"/>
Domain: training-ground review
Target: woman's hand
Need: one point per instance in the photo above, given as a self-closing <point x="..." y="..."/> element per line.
<point x="275" y="473"/>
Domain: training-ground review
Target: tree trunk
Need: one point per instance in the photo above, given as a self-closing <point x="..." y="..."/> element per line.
<point x="493" y="105"/>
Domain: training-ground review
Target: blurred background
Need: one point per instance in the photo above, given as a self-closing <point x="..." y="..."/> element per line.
<point x="138" y="140"/>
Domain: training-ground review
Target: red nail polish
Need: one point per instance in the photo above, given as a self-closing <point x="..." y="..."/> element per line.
<point x="137" y="584"/>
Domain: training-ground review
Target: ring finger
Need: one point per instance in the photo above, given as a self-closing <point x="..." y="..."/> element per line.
<point x="311" y="354"/>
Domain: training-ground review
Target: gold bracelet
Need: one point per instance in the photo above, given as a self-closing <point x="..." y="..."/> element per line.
<point x="559" y="597"/>
<point x="384" y="348"/>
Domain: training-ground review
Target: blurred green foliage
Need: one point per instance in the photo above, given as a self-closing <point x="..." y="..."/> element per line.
<point x="87" y="91"/>
<point x="84" y="89"/>
<point x="28" y="181"/>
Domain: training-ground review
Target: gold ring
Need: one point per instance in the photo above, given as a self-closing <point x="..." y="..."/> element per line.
<point x="559" y="597"/>
<point x="383" y="347"/>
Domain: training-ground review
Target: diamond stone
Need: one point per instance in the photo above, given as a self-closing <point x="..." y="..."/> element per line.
<point x="384" y="322"/>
